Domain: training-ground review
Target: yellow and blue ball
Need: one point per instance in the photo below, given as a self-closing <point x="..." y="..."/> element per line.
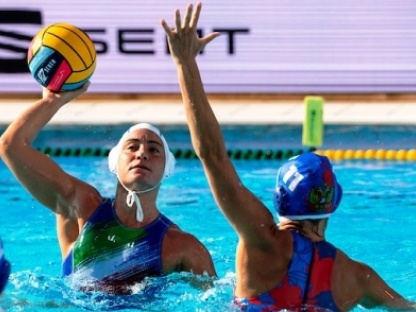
<point x="62" y="57"/>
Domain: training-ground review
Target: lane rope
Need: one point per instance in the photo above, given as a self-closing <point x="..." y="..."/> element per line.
<point x="254" y="154"/>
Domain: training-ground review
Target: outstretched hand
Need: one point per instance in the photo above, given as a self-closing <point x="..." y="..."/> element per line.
<point x="64" y="97"/>
<point x="183" y="40"/>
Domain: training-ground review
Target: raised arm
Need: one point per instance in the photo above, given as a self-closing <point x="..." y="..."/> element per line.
<point x="244" y="211"/>
<point x="38" y="173"/>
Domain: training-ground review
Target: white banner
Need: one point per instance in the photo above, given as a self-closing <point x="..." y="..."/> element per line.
<point x="270" y="46"/>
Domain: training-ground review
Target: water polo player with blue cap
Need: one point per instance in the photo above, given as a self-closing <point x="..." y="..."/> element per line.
<point x="108" y="243"/>
<point x="306" y="194"/>
<point x="5" y="269"/>
<point x="287" y="266"/>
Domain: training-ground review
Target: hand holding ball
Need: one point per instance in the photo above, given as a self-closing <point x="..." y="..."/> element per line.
<point x="62" y="57"/>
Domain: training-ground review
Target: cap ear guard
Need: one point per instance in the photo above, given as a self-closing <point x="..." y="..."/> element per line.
<point x="112" y="158"/>
<point x="169" y="164"/>
<point x="339" y="193"/>
<point x="279" y="201"/>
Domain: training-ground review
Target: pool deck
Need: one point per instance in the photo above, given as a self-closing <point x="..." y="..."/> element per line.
<point x="239" y="111"/>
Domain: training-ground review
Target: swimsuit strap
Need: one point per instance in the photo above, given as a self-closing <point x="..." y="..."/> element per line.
<point x="308" y="279"/>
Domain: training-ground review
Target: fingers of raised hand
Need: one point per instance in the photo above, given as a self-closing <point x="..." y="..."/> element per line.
<point x="208" y="38"/>
<point x="85" y="86"/>
<point x="187" y="18"/>
<point x="190" y="20"/>
<point x="166" y="28"/>
<point x="195" y="17"/>
<point x="178" y="21"/>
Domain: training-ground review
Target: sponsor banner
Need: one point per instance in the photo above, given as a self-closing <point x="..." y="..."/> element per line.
<point x="270" y="46"/>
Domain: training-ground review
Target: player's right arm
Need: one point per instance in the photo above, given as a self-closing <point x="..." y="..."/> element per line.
<point x="37" y="172"/>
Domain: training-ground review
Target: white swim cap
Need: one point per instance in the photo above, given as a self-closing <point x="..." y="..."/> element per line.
<point x="132" y="196"/>
<point x="116" y="150"/>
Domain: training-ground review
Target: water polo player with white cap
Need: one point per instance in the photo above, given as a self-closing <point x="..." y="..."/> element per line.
<point x="108" y="243"/>
<point x="279" y="267"/>
<point x="136" y="154"/>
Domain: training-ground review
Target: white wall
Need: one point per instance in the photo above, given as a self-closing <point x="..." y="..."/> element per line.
<point x="276" y="45"/>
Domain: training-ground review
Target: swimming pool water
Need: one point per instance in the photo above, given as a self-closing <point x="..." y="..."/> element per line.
<point x="374" y="224"/>
<point x="29" y="229"/>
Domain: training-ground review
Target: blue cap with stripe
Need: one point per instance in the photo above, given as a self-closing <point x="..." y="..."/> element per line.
<point x="306" y="188"/>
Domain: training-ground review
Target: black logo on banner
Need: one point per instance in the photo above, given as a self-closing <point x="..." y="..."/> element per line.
<point x="15" y="39"/>
<point x="16" y="43"/>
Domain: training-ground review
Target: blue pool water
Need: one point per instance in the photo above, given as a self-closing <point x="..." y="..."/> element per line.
<point x="374" y="224"/>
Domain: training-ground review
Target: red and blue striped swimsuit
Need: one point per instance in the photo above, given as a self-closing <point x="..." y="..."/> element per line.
<point x="307" y="284"/>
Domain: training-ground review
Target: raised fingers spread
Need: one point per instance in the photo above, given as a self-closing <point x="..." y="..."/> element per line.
<point x="165" y="26"/>
<point x="195" y="16"/>
<point x="187" y="17"/>
<point x="178" y="21"/>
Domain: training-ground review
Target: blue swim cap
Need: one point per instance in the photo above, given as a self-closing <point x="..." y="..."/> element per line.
<point x="4" y="269"/>
<point x="306" y="188"/>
